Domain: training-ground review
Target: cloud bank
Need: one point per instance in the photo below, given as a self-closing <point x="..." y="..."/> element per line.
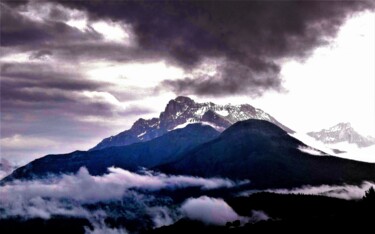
<point x="27" y="198"/>
<point x="348" y="192"/>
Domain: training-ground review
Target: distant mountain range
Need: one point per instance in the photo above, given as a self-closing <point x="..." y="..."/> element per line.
<point x="182" y="111"/>
<point x="342" y="132"/>
<point x="256" y="150"/>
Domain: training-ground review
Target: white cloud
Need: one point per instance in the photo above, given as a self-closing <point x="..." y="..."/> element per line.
<point x="215" y="211"/>
<point x="6" y="167"/>
<point x="162" y="216"/>
<point x="84" y="188"/>
<point x="25" y="142"/>
<point x="102" y="228"/>
<point x="141" y="75"/>
<point x="112" y="31"/>
<point x="351" y="151"/>
<point x="347" y="192"/>
<point x="209" y="210"/>
<point x="71" y="195"/>
<point x="335" y="84"/>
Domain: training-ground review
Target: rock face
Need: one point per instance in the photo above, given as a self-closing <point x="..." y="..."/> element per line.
<point x="182" y="111"/>
<point x="342" y="132"/>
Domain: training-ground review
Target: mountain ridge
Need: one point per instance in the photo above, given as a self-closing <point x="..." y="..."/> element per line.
<point x="255" y="150"/>
<point x="131" y="157"/>
<point x="181" y="111"/>
<point x="268" y="156"/>
<point x="342" y="132"/>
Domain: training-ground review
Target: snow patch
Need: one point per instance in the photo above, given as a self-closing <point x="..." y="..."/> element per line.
<point x="189" y="121"/>
<point x="311" y="151"/>
<point x="222" y="112"/>
<point x="142" y="134"/>
<point x="217" y="128"/>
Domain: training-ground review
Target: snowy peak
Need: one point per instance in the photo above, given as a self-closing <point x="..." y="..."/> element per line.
<point x="341" y="127"/>
<point x="342" y="132"/>
<point x="182" y="111"/>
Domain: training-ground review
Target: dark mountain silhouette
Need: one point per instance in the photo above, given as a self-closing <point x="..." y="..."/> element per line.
<point x="255" y="150"/>
<point x="266" y="155"/>
<point x="148" y="154"/>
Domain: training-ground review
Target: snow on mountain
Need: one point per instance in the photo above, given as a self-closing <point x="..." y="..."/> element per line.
<point x="342" y="132"/>
<point x="342" y="150"/>
<point x="182" y="111"/>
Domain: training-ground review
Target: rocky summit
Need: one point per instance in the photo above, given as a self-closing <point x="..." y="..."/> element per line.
<point x="182" y="111"/>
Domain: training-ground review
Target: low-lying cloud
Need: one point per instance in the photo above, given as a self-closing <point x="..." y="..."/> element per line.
<point x="209" y="210"/>
<point x="347" y="192"/>
<point x="6" y="167"/>
<point x="87" y="188"/>
<point x="215" y="211"/>
<point x="27" y="198"/>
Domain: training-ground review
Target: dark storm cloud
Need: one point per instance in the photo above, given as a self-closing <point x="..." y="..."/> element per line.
<point x="40" y="86"/>
<point x="251" y="34"/>
<point x="45" y="76"/>
<point x="17" y="30"/>
<point x="51" y="36"/>
<point x="231" y="78"/>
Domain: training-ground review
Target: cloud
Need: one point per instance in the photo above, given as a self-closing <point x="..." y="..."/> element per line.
<point x="17" y="142"/>
<point x="82" y="188"/>
<point x="253" y="37"/>
<point x="120" y="194"/>
<point x="212" y="211"/>
<point x="50" y="47"/>
<point x="348" y="192"/>
<point x="229" y="77"/>
<point x="26" y="29"/>
<point x="162" y="216"/>
<point x="102" y="228"/>
<point x="6" y="167"/>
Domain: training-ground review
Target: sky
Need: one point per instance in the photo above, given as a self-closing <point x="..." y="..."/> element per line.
<point x="75" y="72"/>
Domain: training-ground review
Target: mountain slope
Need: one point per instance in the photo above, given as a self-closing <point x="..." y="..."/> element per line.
<point x="266" y="155"/>
<point x="161" y="150"/>
<point x="181" y="111"/>
<point x="342" y="132"/>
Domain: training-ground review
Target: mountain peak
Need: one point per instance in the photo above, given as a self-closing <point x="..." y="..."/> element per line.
<point x="254" y="125"/>
<point x="182" y="111"/>
<point x="183" y="99"/>
<point x="345" y="125"/>
<point x="342" y="132"/>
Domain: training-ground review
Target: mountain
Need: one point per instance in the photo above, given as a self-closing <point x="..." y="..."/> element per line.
<point x="182" y="111"/>
<point x="266" y="155"/>
<point x="158" y="151"/>
<point x="342" y="132"/>
<point x="254" y="150"/>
